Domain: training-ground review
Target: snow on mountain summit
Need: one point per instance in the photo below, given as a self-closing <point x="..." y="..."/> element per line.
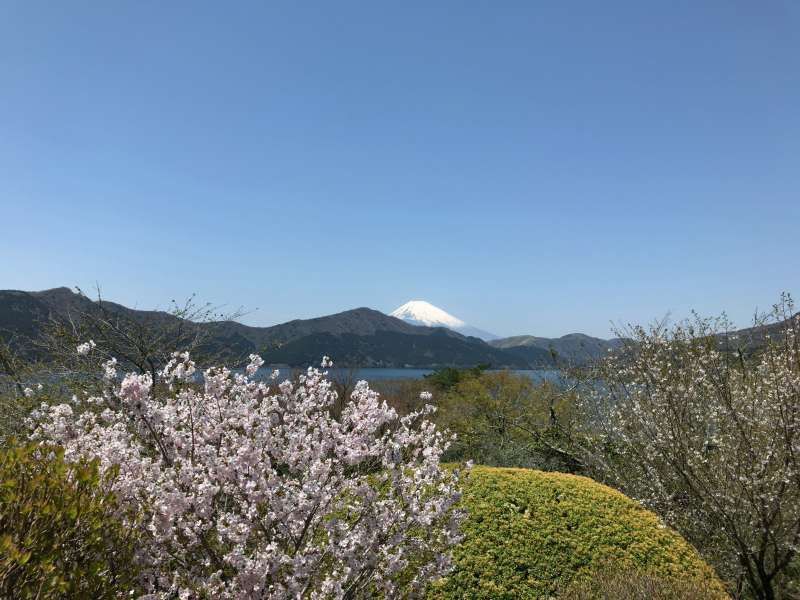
<point x="425" y="313"/>
<point x="419" y="312"/>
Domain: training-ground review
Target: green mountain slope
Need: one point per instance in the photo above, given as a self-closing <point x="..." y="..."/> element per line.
<point x="359" y="337"/>
<point x="572" y="349"/>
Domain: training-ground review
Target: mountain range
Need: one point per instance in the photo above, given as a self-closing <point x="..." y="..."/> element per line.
<point x="573" y="348"/>
<point x="424" y="336"/>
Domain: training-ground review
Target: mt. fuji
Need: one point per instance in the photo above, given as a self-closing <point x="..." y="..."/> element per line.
<point x="419" y="312"/>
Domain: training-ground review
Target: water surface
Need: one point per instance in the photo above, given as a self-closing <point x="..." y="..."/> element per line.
<point x="377" y="374"/>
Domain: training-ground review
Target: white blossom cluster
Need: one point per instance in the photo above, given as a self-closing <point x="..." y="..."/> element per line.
<point x="708" y="434"/>
<point x="86" y="347"/>
<point x="246" y="491"/>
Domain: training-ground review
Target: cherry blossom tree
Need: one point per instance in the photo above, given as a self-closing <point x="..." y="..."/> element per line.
<point x="702" y="423"/>
<point x="252" y="489"/>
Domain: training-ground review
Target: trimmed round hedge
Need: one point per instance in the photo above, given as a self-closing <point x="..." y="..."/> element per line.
<point x="529" y="534"/>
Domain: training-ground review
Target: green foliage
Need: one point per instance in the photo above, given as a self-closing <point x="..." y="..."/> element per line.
<point x="613" y="584"/>
<point x="508" y="420"/>
<point x="14" y="405"/>
<point x="529" y="534"/>
<point x="448" y="377"/>
<point x="14" y="408"/>
<point x="58" y="534"/>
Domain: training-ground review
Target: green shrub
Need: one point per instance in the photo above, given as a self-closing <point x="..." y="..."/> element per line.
<point x="529" y="534"/>
<point x="58" y="534"/>
<point x="614" y="584"/>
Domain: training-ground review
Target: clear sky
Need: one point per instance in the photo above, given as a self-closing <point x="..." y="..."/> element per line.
<point x="530" y="167"/>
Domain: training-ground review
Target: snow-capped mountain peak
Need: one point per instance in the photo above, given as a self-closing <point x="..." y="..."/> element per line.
<point x="419" y="312"/>
<point x="425" y="313"/>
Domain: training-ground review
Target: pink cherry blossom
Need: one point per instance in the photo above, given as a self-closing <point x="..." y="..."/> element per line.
<point x="243" y="490"/>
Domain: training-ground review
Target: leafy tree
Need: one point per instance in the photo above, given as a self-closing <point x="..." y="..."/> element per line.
<point x="447" y="378"/>
<point x="59" y="532"/>
<point x="504" y="419"/>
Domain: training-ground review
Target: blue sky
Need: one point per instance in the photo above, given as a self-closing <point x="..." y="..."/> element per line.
<point x="530" y="167"/>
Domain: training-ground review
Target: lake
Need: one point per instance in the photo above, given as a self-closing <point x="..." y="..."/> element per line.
<point x="375" y="374"/>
